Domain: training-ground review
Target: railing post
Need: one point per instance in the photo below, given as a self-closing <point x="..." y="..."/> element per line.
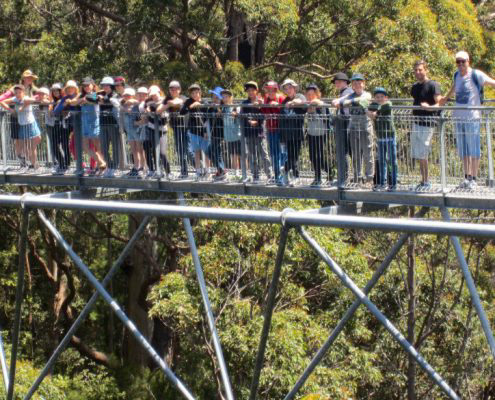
<point x="490" y="182"/>
<point x="4" y="126"/>
<point x="156" y="133"/>
<point x="78" y="142"/>
<point x="243" y="151"/>
<point x="443" y="155"/>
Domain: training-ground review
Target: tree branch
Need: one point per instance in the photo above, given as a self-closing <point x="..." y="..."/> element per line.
<point x="98" y="10"/>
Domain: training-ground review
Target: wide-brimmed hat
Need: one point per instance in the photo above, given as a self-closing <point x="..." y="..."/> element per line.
<point x="71" y="83"/>
<point x="340" y="76"/>
<point x="250" y="84"/>
<point x="28" y="73"/>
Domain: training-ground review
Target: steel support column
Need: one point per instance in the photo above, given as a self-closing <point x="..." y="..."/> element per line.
<point x="206" y="302"/>
<point x="117" y="309"/>
<point x="18" y="300"/>
<point x="475" y="298"/>
<point x="5" y="372"/>
<point x="87" y="308"/>
<point x="387" y="324"/>
<point x="267" y="317"/>
<point x="352" y="309"/>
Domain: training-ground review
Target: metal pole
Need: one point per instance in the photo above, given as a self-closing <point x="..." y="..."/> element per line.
<point x="116" y="308"/>
<point x="443" y="156"/>
<point x="206" y="302"/>
<point x="475" y="298"/>
<point x="78" y="142"/>
<point x="350" y="312"/>
<point x="156" y="132"/>
<point x="4" y="365"/>
<point x="491" y="181"/>
<point x="87" y="308"/>
<point x="267" y="317"/>
<point x="347" y="281"/>
<point x="18" y="300"/>
<point x="243" y="153"/>
<point x="5" y="117"/>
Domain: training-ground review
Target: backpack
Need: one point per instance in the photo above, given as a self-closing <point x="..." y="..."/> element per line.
<point x="477" y="83"/>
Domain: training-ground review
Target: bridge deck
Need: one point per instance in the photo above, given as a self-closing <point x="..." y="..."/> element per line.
<point x="483" y="198"/>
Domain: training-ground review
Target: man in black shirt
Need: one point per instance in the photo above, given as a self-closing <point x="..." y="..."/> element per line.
<point x="426" y="93"/>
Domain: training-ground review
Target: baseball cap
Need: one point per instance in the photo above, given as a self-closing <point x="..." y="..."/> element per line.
<point x="19" y="86"/>
<point x="154" y="89"/>
<point x="357" y="77"/>
<point x="143" y="90"/>
<point x="381" y="90"/>
<point x="119" y="80"/>
<point x="250" y="84"/>
<point x="289" y="82"/>
<point x="129" y="92"/>
<point x="87" y="81"/>
<point x="340" y="76"/>
<point x="226" y="91"/>
<point x="462" y="55"/>
<point x="71" y="83"/>
<point x="56" y="86"/>
<point x="270" y="85"/>
<point x="43" y="90"/>
<point x="312" y="86"/>
<point x="194" y="86"/>
<point x="107" y="80"/>
<point x="174" y="84"/>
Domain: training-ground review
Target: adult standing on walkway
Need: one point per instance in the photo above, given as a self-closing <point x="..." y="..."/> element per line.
<point x="341" y="82"/>
<point x="468" y="87"/>
<point x="426" y="93"/>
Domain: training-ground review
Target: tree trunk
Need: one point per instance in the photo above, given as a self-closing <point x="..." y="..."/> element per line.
<point x="138" y="276"/>
<point x="411" y="316"/>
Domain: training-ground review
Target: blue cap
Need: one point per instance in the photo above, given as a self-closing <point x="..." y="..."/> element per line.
<point x="217" y="91"/>
<point x="381" y="90"/>
<point x="357" y="77"/>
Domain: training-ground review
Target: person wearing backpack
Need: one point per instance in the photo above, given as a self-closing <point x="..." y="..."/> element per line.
<point x="468" y="84"/>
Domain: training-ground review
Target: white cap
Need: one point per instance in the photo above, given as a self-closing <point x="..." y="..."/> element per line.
<point x="462" y="55"/>
<point x="153" y="90"/>
<point x="174" y="84"/>
<point x="71" y="83"/>
<point x="129" y="92"/>
<point x="289" y="82"/>
<point x="143" y="90"/>
<point x="44" y="90"/>
<point x="107" y="80"/>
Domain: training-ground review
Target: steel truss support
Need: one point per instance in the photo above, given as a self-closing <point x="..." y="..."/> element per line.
<point x="475" y="298"/>
<point x="87" y="308"/>
<point x="267" y="317"/>
<point x="116" y="308"/>
<point x="18" y="300"/>
<point x="206" y="302"/>
<point x="387" y="324"/>
<point x="351" y="311"/>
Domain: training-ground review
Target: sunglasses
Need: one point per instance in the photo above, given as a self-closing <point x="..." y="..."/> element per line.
<point x="460" y="61"/>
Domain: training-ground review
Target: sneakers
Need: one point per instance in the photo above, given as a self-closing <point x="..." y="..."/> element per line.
<point x="392" y="188"/>
<point x="271" y="181"/>
<point x="109" y="173"/>
<point x="133" y="173"/>
<point x="379" y="188"/>
<point x="472" y="185"/>
<point x="464" y="184"/>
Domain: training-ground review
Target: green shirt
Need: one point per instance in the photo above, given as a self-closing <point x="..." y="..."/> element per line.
<point x="384" y="121"/>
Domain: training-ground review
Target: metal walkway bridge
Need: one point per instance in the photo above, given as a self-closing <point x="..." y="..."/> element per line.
<point x="444" y="194"/>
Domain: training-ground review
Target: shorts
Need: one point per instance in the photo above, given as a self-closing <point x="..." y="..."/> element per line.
<point x="468" y="138"/>
<point x="421" y="141"/>
<point x="90" y="131"/>
<point x="197" y="143"/>
<point x="234" y="147"/>
<point x="134" y="135"/>
<point x="29" y="131"/>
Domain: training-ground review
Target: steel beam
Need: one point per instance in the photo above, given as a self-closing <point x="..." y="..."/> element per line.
<point x="87" y="308"/>
<point x="116" y="308"/>
<point x="475" y="298"/>
<point x="387" y="324"/>
<point x="206" y="302"/>
<point x="267" y="317"/>
<point x="19" y="294"/>
<point x="351" y="311"/>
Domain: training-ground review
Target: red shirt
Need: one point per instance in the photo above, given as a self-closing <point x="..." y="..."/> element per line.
<point x="272" y="123"/>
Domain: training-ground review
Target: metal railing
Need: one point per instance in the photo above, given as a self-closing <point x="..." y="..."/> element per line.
<point x="300" y="146"/>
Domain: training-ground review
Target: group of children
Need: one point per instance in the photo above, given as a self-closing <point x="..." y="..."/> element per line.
<point x="205" y="133"/>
